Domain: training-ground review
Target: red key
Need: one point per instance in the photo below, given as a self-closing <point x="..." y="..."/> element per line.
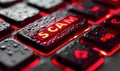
<point x="57" y="27"/>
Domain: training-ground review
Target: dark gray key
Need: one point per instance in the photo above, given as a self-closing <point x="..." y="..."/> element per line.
<point x="104" y="37"/>
<point x="20" y="14"/>
<point x="5" y="29"/>
<point x="13" y="55"/>
<point x="78" y="56"/>
<point x="7" y="3"/>
<point x="48" y="6"/>
<point x="90" y="9"/>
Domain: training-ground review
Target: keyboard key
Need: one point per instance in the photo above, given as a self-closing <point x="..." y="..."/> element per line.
<point x="104" y="37"/>
<point x="49" y="6"/>
<point x="14" y="55"/>
<point x="77" y="56"/>
<point x="20" y="14"/>
<point x="114" y="21"/>
<point x="7" y="3"/>
<point x="5" y="29"/>
<point x="110" y="3"/>
<point x="92" y="10"/>
<point x="49" y="32"/>
<point x="46" y="66"/>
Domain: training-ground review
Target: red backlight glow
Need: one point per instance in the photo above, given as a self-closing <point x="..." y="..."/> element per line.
<point x="107" y="37"/>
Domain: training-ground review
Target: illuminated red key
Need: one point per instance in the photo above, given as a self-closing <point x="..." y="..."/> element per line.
<point x="57" y="27"/>
<point x="50" y="32"/>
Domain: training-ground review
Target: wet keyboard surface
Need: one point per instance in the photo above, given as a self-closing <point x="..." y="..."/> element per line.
<point x="59" y="35"/>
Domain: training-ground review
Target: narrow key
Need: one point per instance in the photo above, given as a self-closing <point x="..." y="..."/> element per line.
<point x="14" y="55"/>
<point x="5" y="29"/>
<point x="114" y="21"/>
<point x="104" y="37"/>
<point x="90" y="9"/>
<point x="49" y="32"/>
<point x="49" y="6"/>
<point x="20" y="14"/>
<point x="78" y="56"/>
<point x="45" y="66"/>
<point x="7" y="3"/>
<point x="110" y="3"/>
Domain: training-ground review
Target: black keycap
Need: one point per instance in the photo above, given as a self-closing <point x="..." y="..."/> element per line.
<point x="14" y="55"/>
<point x="47" y="6"/>
<point x="7" y="3"/>
<point x="45" y="66"/>
<point x="53" y="30"/>
<point x="114" y="21"/>
<point x="110" y="3"/>
<point x="90" y="9"/>
<point x="77" y="56"/>
<point x="20" y="14"/>
<point x="5" y="29"/>
<point x="104" y="37"/>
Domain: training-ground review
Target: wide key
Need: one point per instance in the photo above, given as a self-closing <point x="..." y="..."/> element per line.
<point x="49" y="32"/>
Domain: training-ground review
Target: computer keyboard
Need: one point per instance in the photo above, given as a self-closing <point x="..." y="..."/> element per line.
<point x="59" y="35"/>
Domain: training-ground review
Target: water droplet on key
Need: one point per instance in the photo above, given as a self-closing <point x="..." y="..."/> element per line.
<point x="10" y="53"/>
<point x="15" y="45"/>
<point x="3" y="47"/>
